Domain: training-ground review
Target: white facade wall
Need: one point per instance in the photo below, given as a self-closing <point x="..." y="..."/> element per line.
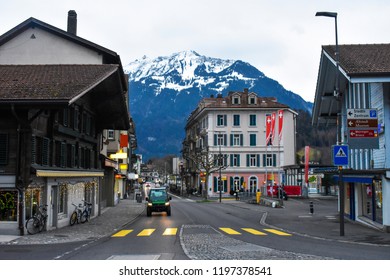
<point x="37" y="46"/>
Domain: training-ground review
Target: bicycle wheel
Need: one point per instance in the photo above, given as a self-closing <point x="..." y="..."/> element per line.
<point x="73" y="218"/>
<point x="33" y="225"/>
<point x="84" y="217"/>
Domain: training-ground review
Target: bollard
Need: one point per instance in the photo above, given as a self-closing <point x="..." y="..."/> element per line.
<point x="311" y="207"/>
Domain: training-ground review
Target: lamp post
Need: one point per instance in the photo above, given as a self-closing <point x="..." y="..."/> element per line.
<point x="220" y="173"/>
<point x="338" y="97"/>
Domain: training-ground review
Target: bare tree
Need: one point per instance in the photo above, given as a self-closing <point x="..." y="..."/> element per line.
<point x="209" y="163"/>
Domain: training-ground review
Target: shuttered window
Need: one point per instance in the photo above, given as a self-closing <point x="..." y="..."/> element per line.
<point x="40" y="150"/>
<point x="3" y="148"/>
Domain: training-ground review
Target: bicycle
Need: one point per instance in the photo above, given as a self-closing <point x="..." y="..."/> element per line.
<point x="86" y="212"/>
<point x="77" y="214"/>
<point x="37" y="222"/>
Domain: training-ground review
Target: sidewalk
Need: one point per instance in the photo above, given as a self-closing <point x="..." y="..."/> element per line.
<point x="110" y="220"/>
<point x="295" y="217"/>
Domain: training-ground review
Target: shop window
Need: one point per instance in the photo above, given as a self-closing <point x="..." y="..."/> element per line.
<point x="252" y="184"/>
<point x="33" y="200"/>
<point x="8" y="206"/>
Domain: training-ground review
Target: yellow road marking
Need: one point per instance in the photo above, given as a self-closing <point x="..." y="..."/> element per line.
<point x="122" y="233"/>
<point x="253" y="231"/>
<point x="146" y="232"/>
<point x="277" y="232"/>
<point x="229" y="231"/>
<point x="170" y="231"/>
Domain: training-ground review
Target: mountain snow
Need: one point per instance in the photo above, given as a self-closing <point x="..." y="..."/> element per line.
<point x="163" y="69"/>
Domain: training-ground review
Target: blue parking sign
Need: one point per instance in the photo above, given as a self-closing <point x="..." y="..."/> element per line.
<point x="340" y="155"/>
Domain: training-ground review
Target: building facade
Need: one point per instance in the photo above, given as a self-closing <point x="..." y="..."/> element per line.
<point x="58" y="94"/>
<point x="361" y="110"/>
<point x="252" y="137"/>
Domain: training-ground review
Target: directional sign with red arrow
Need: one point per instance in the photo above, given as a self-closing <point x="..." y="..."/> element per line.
<point x="354" y="133"/>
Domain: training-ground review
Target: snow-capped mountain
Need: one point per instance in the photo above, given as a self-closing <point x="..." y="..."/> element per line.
<point x="165" y="90"/>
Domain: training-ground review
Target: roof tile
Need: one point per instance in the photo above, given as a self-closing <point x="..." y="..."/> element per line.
<point x="49" y="82"/>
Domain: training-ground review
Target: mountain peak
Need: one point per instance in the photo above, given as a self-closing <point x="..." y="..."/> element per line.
<point x="183" y="64"/>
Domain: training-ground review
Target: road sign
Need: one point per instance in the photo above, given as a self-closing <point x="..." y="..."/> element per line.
<point x="340" y="155"/>
<point x="363" y="123"/>
<point x="367" y="133"/>
<point x="362" y="126"/>
<point x="362" y="114"/>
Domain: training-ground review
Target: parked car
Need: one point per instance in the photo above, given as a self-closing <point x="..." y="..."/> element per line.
<point x="158" y="200"/>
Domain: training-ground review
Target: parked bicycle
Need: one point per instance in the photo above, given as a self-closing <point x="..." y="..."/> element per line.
<point x="37" y="222"/>
<point x="77" y="214"/>
<point x="85" y="216"/>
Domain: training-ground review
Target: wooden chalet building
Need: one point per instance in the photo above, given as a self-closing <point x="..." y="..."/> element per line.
<point x="58" y="93"/>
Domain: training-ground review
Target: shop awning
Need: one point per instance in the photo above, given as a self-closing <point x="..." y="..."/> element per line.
<point x="57" y="173"/>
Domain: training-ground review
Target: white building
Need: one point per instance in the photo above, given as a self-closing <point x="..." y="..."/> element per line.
<point x="364" y="86"/>
<point x="255" y="134"/>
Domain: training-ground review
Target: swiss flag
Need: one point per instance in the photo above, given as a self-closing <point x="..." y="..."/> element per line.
<point x="280" y="127"/>
<point x="273" y="121"/>
<point x="268" y="129"/>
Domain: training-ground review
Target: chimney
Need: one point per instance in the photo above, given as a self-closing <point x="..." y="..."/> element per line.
<point x="72" y="22"/>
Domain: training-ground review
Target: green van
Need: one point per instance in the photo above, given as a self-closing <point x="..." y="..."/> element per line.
<point x="158" y="200"/>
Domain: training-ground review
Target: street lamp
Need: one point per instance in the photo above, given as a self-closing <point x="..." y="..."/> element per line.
<point x="334" y="15"/>
<point x="338" y="97"/>
<point x="220" y="172"/>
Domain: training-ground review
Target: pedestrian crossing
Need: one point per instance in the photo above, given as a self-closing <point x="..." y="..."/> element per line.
<point x="173" y="232"/>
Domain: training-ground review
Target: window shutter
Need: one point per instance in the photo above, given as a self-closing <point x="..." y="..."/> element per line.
<point x="224" y="120"/>
<point x="264" y="160"/>
<point x="231" y="139"/>
<point x="231" y="183"/>
<point x="215" y="140"/>
<point x="258" y="160"/>
<point x="65" y="117"/>
<point x="274" y="160"/>
<point x="215" y="179"/>
<point x="225" y="185"/>
<point x="231" y="160"/>
<point x="241" y="140"/>
<point x="225" y="140"/>
<point x="45" y="151"/>
<point x="252" y="139"/>
<point x="3" y="148"/>
<point x="33" y="149"/>
<point x="247" y="160"/>
<point x="63" y="155"/>
<point x="238" y="160"/>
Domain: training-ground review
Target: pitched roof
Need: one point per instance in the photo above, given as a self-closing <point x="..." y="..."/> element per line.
<point x="50" y="83"/>
<point x="362" y="60"/>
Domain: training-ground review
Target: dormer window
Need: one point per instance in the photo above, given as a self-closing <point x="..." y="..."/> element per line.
<point x="252" y="100"/>
<point x="236" y="100"/>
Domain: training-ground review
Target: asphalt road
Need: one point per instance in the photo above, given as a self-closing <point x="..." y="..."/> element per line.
<point x="200" y="230"/>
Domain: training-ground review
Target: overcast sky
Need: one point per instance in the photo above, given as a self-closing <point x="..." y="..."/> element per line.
<point x="282" y="38"/>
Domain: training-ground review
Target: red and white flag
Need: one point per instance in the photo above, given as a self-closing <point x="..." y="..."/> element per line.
<point x="280" y="127"/>
<point x="267" y="129"/>
<point x="273" y="122"/>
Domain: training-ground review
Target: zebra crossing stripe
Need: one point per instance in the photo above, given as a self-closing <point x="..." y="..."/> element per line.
<point x="146" y="232"/>
<point x="277" y="232"/>
<point x="170" y="231"/>
<point x="122" y="233"/>
<point x="230" y="231"/>
<point x="253" y="231"/>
